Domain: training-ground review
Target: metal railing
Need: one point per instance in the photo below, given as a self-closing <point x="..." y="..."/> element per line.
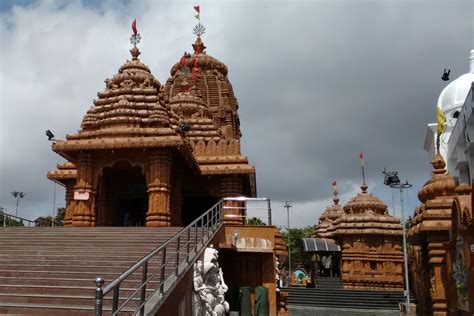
<point x="161" y="269"/>
<point x="15" y="221"/>
<point x="245" y="207"/>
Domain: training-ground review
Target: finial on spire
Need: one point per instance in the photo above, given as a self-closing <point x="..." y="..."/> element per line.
<point x="361" y="156"/>
<point x="335" y="193"/>
<point x="199" y="29"/>
<point x="136" y="37"/>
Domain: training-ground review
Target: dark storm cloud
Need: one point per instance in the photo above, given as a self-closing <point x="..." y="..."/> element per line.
<point x="317" y="82"/>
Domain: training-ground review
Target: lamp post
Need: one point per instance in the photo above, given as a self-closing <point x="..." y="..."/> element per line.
<point x="18" y="195"/>
<point x="287" y="206"/>
<point x="392" y="180"/>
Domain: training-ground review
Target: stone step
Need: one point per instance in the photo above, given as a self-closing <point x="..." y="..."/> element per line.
<point x="59" y="290"/>
<point x="47" y="309"/>
<point x="63" y="281"/>
<point x="51" y="271"/>
<point x="63" y="299"/>
<point x="345" y="298"/>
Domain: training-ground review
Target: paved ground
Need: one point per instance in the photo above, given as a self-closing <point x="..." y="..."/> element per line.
<point x="320" y="311"/>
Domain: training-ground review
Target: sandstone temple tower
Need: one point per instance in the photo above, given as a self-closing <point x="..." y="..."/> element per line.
<point x="155" y="155"/>
<point x="371" y="242"/>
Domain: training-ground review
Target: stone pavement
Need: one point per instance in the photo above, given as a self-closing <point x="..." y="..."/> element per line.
<point x="321" y="311"/>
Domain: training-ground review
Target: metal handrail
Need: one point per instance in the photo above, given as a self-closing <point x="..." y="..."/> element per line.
<point x="245" y="208"/>
<point x="20" y="220"/>
<point x="209" y="222"/>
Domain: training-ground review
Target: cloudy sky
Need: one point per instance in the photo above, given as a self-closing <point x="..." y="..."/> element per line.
<point x="317" y="82"/>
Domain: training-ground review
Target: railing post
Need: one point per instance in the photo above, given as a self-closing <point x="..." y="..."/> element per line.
<point x="99" y="294"/>
<point x="177" y="256"/>
<point x="143" y="290"/>
<point x="115" y="299"/>
<point x="187" y="245"/>
<point x="202" y="230"/>
<point x="162" y="274"/>
<point x="195" y="238"/>
<point x="269" y="212"/>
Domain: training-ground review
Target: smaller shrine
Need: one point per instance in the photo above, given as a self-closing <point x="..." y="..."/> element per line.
<point x="371" y="242"/>
<point x="441" y="240"/>
<point x="324" y="229"/>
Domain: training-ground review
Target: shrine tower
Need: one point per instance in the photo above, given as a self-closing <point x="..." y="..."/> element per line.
<point x="155" y="155"/>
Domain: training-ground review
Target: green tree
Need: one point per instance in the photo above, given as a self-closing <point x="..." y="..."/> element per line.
<point x="295" y="240"/>
<point x="254" y="221"/>
<point x="58" y="219"/>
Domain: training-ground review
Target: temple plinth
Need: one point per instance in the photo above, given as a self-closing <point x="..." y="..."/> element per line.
<point x="371" y="242"/>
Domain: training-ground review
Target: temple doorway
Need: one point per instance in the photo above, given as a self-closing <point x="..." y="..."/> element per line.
<point x="122" y="198"/>
<point x="195" y="206"/>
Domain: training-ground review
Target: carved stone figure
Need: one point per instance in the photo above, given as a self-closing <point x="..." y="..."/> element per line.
<point x="209" y="286"/>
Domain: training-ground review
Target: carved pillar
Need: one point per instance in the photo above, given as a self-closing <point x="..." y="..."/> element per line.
<point x="437" y="249"/>
<point x="231" y="186"/>
<point x="69" y="204"/>
<point x="176" y="199"/>
<point x="158" y="181"/>
<point x="84" y="210"/>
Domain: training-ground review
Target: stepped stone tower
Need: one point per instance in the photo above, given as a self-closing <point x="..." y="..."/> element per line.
<point x="429" y="238"/>
<point x="325" y="227"/>
<point x="371" y="242"/>
<point x="153" y="155"/>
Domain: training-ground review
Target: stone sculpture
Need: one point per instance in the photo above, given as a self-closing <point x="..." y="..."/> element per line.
<point x="209" y="286"/>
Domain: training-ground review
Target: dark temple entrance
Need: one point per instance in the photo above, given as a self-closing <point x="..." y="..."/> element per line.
<point x="122" y="198"/>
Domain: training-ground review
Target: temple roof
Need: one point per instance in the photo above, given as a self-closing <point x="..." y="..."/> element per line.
<point x="365" y="214"/>
<point x="208" y="78"/>
<point x="127" y="115"/>
<point x="129" y="99"/>
<point x="436" y="198"/>
<point x="204" y="61"/>
<point x="327" y="218"/>
<point x="441" y="184"/>
<point x="190" y="109"/>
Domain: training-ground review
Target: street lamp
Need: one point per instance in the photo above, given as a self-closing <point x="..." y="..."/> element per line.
<point x="18" y="195"/>
<point x="287" y="206"/>
<point x="392" y="180"/>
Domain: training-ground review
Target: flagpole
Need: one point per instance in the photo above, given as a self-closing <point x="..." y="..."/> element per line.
<point x="361" y="156"/>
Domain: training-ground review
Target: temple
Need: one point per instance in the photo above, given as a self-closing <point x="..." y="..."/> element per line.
<point x="371" y="242"/>
<point x="155" y="155"/>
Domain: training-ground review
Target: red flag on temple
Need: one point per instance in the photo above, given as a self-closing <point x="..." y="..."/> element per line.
<point x="197" y="8"/>
<point x="361" y="156"/>
<point x="183" y="60"/>
<point x="134" y="26"/>
<point x="334" y="183"/>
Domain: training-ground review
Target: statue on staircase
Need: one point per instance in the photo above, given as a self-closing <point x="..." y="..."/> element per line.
<point x="209" y="286"/>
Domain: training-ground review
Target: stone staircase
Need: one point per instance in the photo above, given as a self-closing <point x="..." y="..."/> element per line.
<point x="330" y="293"/>
<point x="51" y="271"/>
